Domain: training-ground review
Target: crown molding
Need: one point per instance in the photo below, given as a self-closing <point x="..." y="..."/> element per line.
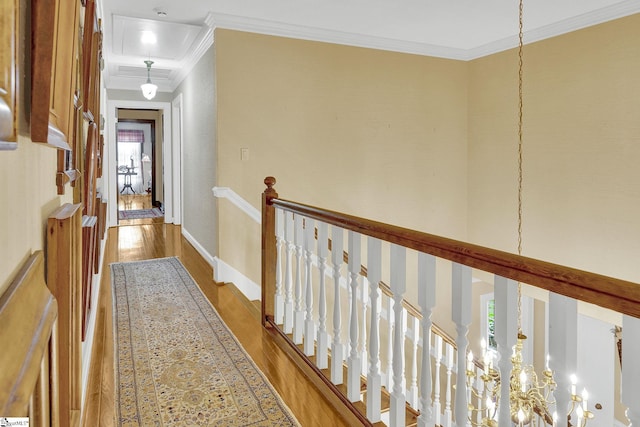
<point x="205" y="39"/>
<point x="282" y="29"/>
<point x="201" y="45"/>
<point x="274" y="28"/>
<point x="616" y="11"/>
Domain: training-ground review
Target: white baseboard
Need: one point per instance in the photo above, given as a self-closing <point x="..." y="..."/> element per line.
<point x="201" y="250"/>
<point x="223" y="272"/>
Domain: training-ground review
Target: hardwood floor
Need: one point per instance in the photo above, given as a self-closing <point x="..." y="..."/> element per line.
<point x="137" y="242"/>
<point x="136" y="201"/>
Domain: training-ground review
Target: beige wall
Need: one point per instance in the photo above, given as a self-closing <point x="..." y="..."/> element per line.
<point x="377" y="134"/>
<point x="28" y="195"/>
<point x="581" y="149"/>
<point x="431" y="144"/>
<point x="200" y="214"/>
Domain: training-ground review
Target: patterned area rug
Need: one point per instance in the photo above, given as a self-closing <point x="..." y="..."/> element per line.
<point x="140" y="213"/>
<point x="176" y="362"/>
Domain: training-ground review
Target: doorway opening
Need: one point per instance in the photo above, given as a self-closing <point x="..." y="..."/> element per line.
<point x="139" y="167"/>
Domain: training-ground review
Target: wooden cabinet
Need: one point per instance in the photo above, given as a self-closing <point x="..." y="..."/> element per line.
<point x="65" y="83"/>
<point x="9" y="21"/>
<point x="91" y="60"/>
<point x="55" y="26"/>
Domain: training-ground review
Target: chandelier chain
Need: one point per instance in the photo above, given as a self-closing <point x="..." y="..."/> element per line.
<point x="520" y="99"/>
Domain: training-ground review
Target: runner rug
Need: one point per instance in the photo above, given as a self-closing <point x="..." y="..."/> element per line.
<point x="140" y="213"/>
<point x="176" y="362"/>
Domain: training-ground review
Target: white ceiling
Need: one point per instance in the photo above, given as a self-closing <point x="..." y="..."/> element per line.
<point x="457" y="29"/>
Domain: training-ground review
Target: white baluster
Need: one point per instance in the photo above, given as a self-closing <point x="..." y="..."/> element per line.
<point x="374" y="272"/>
<point x="461" y="313"/>
<point x="309" y="325"/>
<point x="447" y="405"/>
<point x="337" y="348"/>
<point x="353" y="362"/>
<point x="413" y="329"/>
<point x="388" y="376"/>
<point x="398" y="288"/>
<point x="427" y="300"/>
<point x="323" y="344"/>
<point x="362" y="320"/>
<point x="298" y="318"/>
<point x="437" y="405"/>
<point x="631" y="368"/>
<point x="279" y="297"/>
<point x="505" y="293"/>
<point x="563" y="349"/>
<point x="288" y="281"/>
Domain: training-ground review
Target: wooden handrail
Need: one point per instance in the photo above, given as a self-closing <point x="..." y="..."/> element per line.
<point x="615" y="294"/>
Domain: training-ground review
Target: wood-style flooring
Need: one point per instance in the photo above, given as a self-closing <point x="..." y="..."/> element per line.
<point x="138" y="242"/>
<point x="127" y="202"/>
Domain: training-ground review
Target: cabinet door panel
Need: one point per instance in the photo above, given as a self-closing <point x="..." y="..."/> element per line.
<point x="55" y="26"/>
<point x="9" y="19"/>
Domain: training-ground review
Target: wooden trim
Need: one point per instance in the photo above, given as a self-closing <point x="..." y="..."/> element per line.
<point x="330" y="391"/>
<point x="64" y="279"/>
<point x="269" y="250"/>
<point x="27" y="314"/>
<point x="615" y="294"/>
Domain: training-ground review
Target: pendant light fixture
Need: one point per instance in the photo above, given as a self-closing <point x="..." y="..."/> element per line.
<point x="149" y="89"/>
<point x="530" y="396"/>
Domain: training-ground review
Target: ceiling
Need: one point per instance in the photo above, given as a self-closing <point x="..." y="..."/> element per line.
<point x="457" y="29"/>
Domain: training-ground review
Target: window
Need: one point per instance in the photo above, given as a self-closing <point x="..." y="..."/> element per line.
<point x="130" y="135"/>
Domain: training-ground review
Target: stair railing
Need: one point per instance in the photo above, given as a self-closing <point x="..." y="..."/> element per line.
<point x="365" y="329"/>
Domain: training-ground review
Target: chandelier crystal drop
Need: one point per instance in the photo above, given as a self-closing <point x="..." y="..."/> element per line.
<point x="530" y="396"/>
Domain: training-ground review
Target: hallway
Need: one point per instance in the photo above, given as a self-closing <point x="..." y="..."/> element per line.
<point x="138" y="242"/>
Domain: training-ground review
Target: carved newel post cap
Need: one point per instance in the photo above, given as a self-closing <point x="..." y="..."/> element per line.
<point x="269" y="182"/>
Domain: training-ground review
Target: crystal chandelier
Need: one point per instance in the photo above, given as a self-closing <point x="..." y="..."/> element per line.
<point x="530" y="396"/>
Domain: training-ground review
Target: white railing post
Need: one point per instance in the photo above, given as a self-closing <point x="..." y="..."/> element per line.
<point x="461" y="313"/>
<point x="362" y="320"/>
<point x="427" y="300"/>
<point x="288" y="270"/>
<point x="448" y="415"/>
<point x="563" y="349"/>
<point x="337" y="348"/>
<point x="412" y="393"/>
<point x="437" y="405"/>
<point x="323" y="344"/>
<point x="398" y="288"/>
<point x="279" y="297"/>
<point x="298" y="321"/>
<point x="374" y="273"/>
<point x="388" y="374"/>
<point x="309" y="325"/>
<point x="631" y="368"/>
<point x="505" y="295"/>
<point x="353" y="362"/>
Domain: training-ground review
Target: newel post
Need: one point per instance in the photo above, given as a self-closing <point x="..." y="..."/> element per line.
<point x="269" y="250"/>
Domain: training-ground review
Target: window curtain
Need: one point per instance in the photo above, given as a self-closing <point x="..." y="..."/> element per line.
<point x="130" y="135"/>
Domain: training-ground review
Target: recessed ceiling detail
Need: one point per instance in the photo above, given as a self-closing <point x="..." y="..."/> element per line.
<point x="173" y="40"/>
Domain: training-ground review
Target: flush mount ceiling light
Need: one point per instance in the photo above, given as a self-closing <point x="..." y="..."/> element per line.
<point x="148" y="37"/>
<point x="149" y="89"/>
